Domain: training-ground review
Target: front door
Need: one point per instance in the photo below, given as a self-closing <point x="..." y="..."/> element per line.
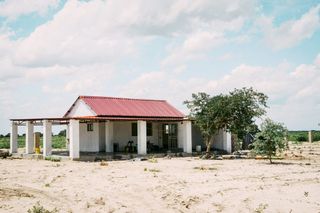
<point x="170" y="136"/>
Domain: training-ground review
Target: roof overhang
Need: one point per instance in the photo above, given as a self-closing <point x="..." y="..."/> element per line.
<point x="63" y="121"/>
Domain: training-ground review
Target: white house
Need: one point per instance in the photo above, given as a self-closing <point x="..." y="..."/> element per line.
<point x="108" y="124"/>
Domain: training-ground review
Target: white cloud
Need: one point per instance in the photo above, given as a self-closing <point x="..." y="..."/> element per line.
<point x="12" y="9"/>
<point x="292" y="91"/>
<point x="291" y="32"/>
<point x="99" y="31"/>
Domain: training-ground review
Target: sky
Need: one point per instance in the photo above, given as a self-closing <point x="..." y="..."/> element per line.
<point x="52" y="51"/>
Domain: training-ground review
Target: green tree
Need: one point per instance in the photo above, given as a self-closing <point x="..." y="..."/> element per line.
<point x="234" y="112"/>
<point x="245" y="105"/>
<point x="271" y="139"/>
<point x="208" y="114"/>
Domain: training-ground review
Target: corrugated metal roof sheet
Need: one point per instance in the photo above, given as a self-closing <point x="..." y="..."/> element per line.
<point x="110" y="106"/>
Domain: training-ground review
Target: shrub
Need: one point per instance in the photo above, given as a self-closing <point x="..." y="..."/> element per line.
<point x="40" y="209"/>
<point x="271" y="139"/>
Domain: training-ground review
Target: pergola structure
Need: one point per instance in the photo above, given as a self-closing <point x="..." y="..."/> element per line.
<point x="30" y="123"/>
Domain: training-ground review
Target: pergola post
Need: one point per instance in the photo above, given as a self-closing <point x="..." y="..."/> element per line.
<point x="142" y="137"/>
<point x="47" y="138"/>
<point x="74" y="148"/>
<point x="67" y="137"/>
<point x="310" y="136"/>
<point x="109" y="136"/>
<point x="29" y="138"/>
<point x="187" y="142"/>
<point x="14" y="138"/>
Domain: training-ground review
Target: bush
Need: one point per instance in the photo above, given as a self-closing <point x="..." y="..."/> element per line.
<point x="316" y="136"/>
<point x="271" y="139"/>
<point x="40" y="209"/>
<point x="302" y="136"/>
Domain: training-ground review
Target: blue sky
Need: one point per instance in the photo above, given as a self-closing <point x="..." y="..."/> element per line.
<point x="52" y="51"/>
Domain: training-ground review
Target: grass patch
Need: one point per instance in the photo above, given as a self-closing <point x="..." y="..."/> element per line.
<point x="152" y="170"/>
<point x="203" y="168"/>
<point x="153" y="160"/>
<point x="53" y="159"/>
<point x="58" y="142"/>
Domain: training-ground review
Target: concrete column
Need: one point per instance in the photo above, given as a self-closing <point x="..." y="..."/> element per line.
<point x="187" y="142"/>
<point x="228" y="142"/>
<point x="14" y="138"/>
<point x="29" y="138"/>
<point x="310" y="136"/>
<point x="67" y="137"/>
<point x="109" y="136"/>
<point x="142" y="137"/>
<point x="47" y="138"/>
<point x="74" y="149"/>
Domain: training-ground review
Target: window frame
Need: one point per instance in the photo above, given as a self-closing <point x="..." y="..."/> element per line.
<point x="89" y="127"/>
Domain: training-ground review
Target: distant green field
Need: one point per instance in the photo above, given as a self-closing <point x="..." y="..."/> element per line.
<point x="301" y="136"/>
<point x="58" y="142"/>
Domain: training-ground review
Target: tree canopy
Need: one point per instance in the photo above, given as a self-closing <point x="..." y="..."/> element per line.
<point x="271" y="139"/>
<point x="234" y="112"/>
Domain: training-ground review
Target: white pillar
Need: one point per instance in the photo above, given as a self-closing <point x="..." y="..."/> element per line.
<point x="187" y="142"/>
<point x="228" y="142"/>
<point x="310" y="136"/>
<point x="74" y="149"/>
<point x="14" y="138"/>
<point x="142" y="137"/>
<point x="67" y="137"/>
<point x="47" y="138"/>
<point x="109" y="136"/>
<point x="29" y="138"/>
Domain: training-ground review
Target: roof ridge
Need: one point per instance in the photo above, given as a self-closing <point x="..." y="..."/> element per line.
<point x="120" y="98"/>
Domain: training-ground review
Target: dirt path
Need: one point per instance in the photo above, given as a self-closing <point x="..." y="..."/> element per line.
<point x="169" y="185"/>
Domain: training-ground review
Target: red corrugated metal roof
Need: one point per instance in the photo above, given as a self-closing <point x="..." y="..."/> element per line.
<point x="110" y="106"/>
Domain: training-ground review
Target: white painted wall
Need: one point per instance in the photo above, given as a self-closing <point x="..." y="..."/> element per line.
<point x="185" y="136"/>
<point x="89" y="140"/>
<point x="181" y="134"/>
<point x="222" y="140"/>
<point x="80" y="109"/>
<point x="122" y="134"/>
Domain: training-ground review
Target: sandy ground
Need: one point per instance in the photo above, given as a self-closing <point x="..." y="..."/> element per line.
<point x="168" y="185"/>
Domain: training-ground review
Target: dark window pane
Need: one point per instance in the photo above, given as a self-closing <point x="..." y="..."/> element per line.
<point x="149" y="129"/>
<point x="134" y="129"/>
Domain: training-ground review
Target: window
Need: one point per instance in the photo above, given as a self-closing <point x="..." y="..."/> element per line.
<point x="89" y="127"/>
<point x="149" y="129"/>
<point x="134" y="129"/>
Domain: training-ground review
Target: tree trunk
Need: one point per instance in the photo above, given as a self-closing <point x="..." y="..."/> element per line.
<point x="208" y="143"/>
<point x="270" y="156"/>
